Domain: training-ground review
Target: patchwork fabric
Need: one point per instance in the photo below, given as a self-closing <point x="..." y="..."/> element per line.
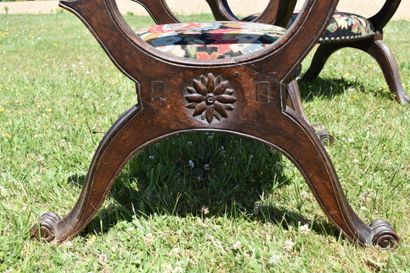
<point x="344" y="26"/>
<point x="211" y="41"/>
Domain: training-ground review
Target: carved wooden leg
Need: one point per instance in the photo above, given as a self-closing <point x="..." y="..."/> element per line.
<point x="289" y="132"/>
<point x="383" y="55"/>
<point x="294" y="100"/>
<point x="320" y="58"/>
<point x="135" y="128"/>
<point x="293" y="135"/>
<point x="378" y="50"/>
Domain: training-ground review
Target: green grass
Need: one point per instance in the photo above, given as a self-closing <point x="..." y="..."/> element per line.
<point x="241" y="208"/>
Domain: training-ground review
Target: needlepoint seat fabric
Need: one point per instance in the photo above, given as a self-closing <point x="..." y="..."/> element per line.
<point x="211" y="41"/>
<point x="344" y="26"/>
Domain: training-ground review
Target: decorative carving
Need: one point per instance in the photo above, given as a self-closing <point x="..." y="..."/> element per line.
<point x="210" y="97"/>
<point x="384" y="235"/>
<point x="44" y="231"/>
<point x="263" y="92"/>
<point x="158" y="90"/>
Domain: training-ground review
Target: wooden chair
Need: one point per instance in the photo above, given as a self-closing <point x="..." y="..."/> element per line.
<point x="344" y="30"/>
<point x="365" y="34"/>
<point x="282" y="13"/>
<point x="237" y="90"/>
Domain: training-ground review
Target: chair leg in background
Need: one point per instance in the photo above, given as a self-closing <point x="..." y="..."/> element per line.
<point x="383" y="55"/>
<point x="320" y="58"/>
<point x="294" y="100"/>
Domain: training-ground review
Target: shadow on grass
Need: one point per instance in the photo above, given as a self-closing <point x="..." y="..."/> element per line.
<point x="197" y="174"/>
<point x="332" y="87"/>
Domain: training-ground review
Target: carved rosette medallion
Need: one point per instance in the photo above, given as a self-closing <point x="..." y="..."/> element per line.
<point x="210" y="98"/>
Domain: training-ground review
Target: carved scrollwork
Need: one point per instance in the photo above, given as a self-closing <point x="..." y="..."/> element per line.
<point x="44" y="231"/>
<point x="384" y="235"/>
<point x="210" y="97"/>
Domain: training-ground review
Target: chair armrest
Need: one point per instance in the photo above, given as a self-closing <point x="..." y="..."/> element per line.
<point x="278" y="12"/>
<point x="104" y="20"/>
<point x="159" y="11"/>
<point x="222" y="11"/>
<point x="380" y="19"/>
<point x="286" y="9"/>
<point x="292" y="48"/>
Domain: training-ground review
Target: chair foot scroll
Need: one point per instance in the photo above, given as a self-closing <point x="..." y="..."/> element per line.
<point x="287" y="131"/>
<point x="385" y="58"/>
<point x="384" y="236"/>
<point x="135" y="129"/>
<point x="45" y="229"/>
<point x="375" y="48"/>
<point x="302" y="146"/>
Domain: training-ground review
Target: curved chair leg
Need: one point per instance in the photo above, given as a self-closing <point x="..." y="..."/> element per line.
<point x="302" y="147"/>
<point x="320" y="58"/>
<point x="294" y="100"/>
<point x="288" y="132"/>
<point x="383" y="55"/>
<point x="133" y="130"/>
<point x="378" y="50"/>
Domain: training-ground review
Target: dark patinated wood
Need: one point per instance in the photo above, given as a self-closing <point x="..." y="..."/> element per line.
<point x="256" y="90"/>
<point x="277" y="12"/>
<point x="377" y="49"/>
<point x="281" y="15"/>
<point x="222" y="11"/>
<point x="159" y="11"/>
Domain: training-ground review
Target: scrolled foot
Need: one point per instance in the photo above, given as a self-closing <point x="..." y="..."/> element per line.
<point x="323" y="134"/>
<point x="404" y="99"/>
<point x="384" y="235"/>
<point x="44" y="230"/>
<point x="326" y="138"/>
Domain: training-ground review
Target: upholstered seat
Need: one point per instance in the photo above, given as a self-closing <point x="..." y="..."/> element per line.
<point x="344" y="26"/>
<point x="211" y="41"/>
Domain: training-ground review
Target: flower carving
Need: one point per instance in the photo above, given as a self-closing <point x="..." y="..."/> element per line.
<point x="210" y="97"/>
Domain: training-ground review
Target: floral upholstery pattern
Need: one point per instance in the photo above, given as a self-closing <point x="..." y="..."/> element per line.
<point x="211" y="41"/>
<point x="344" y="26"/>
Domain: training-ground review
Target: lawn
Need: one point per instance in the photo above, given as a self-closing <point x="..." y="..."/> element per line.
<point x="195" y="202"/>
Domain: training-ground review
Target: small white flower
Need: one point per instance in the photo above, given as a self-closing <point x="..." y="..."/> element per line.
<point x="149" y="239"/>
<point x="205" y="210"/>
<point x="237" y="245"/>
<point x="175" y="251"/>
<point x="102" y="258"/>
<point x="288" y="245"/>
<point x="304" y="229"/>
<point x="191" y="164"/>
<point x="304" y="195"/>
<point x="67" y="244"/>
<point x="274" y="259"/>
